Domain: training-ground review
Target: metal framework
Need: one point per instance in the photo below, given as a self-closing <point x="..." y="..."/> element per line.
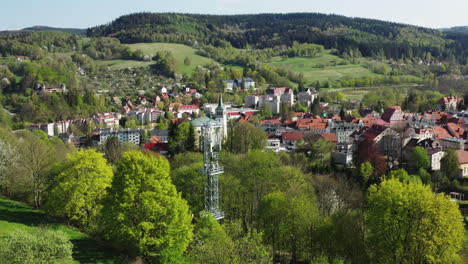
<point x="211" y="146"/>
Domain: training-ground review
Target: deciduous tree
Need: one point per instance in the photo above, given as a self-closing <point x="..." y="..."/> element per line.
<point x="79" y="185"/>
<point x="143" y="211"/>
<point x="408" y="223"/>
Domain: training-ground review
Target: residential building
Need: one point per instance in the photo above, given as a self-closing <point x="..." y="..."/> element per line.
<point x="107" y="119"/>
<point x="124" y="135"/>
<point x="50" y="88"/>
<point x="307" y="97"/>
<point x="146" y="115"/>
<point x="449" y="102"/>
<point x="463" y="160"/>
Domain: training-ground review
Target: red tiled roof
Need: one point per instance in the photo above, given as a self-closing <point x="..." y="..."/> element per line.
<point x="329" y="137"/>
<point x="188" y="107"/>
<point x="374" y="131"/>
<point x="270" y="122"/>
<point x="292" y="136"/>
<point x="457" y="130"/>
<point x="441" y="132"/>
<point x="155" y="140"/>
<point x="462" y="156"/>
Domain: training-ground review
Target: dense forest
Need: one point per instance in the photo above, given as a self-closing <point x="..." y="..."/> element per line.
<point x="347" y="35"/>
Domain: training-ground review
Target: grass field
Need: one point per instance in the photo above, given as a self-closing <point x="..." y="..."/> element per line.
<point x="179" y="51"/>
<point x="15" y="215"/>
<point x="322" y="68"/>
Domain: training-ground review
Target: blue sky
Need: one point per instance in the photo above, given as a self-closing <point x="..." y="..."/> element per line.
<point x="16" y="14"/>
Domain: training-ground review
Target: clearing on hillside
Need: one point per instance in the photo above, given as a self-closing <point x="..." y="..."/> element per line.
<point x="326" y="67"/>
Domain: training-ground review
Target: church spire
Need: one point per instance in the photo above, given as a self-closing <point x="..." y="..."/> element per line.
<point x="220" y="100"/>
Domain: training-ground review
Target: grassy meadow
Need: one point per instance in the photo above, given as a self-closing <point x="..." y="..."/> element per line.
<point x="15" y="215"/>
<point x="322" y="68"/>
<point x="179" y="51"/>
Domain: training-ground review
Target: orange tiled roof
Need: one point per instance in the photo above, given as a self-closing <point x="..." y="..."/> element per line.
<point x="462" y="156"/>
<point x="457" y="130"/>
<point x="292" y="136"/>
<point x="441" y="132"/>
<point x="329" y="137"/>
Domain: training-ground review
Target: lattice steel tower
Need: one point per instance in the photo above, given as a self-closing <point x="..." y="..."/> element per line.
<point x="212" y="138"/>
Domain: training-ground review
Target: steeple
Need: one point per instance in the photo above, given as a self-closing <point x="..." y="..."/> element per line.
<point x="220" y="100"/>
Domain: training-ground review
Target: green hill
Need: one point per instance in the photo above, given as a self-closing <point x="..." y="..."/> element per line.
<point x="77" y="31"/>
<point x="369" y="37"/>
<point x="15" y="215"/>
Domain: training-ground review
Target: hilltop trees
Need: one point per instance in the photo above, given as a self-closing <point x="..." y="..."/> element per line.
<point x="143" y="211"/>
<point x="409" y="224"/>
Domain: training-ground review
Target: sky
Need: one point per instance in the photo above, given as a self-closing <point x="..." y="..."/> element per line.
<point x="17" y="14"/>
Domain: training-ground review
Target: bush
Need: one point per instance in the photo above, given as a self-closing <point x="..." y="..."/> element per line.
<point x="36" y="247"/>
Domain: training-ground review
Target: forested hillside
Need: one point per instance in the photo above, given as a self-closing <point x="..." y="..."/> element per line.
<point x="348" y="35"/>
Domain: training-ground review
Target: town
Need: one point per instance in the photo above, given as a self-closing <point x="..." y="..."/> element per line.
<point x="436" y="131"/>
<point x="191" y="138"/>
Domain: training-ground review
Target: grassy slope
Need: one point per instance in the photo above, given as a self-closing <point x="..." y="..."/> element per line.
<point x="15" y="215"/>
<point x="178" y="50"/>
<point x="322" y="68"/>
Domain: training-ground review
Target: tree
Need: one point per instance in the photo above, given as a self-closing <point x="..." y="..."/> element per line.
<point x="113" y="149"/>
<point x="187" y="61"/>
<point x="244" y="137"/>
<point x="38" y="154"/>
<point x="342" y="114"/>
<point x="79" y="185"/>
<point x="265" y="110"/>
<point x="366" y="170"/>
<point x="367" y="151"/>
<point x="192" y="139"/>
<point x="40" y="246"/>
<point x="449" y="164"/>
<point x="143" y="211"/>
<point x="226" y="244"/>
<point x="9" y="158"/>
<point x="419" y="158"/>
<point x="408" y="223"/>
<point x="178" y="138"/>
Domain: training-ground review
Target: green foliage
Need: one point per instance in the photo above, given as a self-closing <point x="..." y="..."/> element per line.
<point x="181" y="138"/>
<point x="164" y="64"/>
<point x="190" y="182"/>
<point x="366" y="170"/>
<point x="113" y="149"/>
<point x="409" y="224"/>
<point x="265" y="111"/>
<point x="419" y="158"/>
<point x="244" y="137"/>
<point x="449" y="164"/>
<point x="143" y="211"/>
<point x="36" y="247"/>
<point x="79" y="186"/>
<point x="403" y="176"/>
<point x="226" y="244"/>
<point x="352" y="37"/>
